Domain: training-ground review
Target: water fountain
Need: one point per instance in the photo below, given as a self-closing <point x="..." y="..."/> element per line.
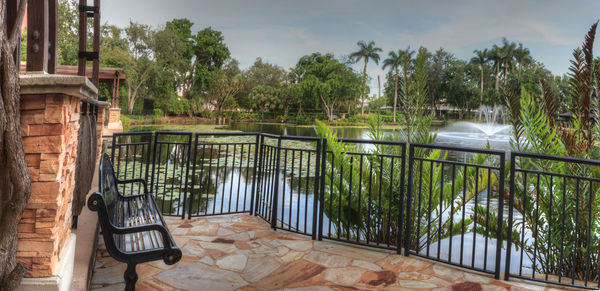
<point x="477" y="134"/>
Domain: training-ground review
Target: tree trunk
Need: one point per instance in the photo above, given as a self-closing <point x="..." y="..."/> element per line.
<point x="433" y="106"/>
<point x="364" y="90"/>
<point x="395" y="96"/>
<point x="15" y="183"/>
<point x="481" y="93"/>
<point x="497" y="77"/>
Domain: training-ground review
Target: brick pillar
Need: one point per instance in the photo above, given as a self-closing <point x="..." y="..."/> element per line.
<point x="50" y="124"/>
<point x="100" y="125"/>
<point x="114" y="121"/>
<point x="50" y="111"/>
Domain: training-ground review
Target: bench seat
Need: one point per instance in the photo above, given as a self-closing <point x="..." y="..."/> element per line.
<point x="133" y="228"/>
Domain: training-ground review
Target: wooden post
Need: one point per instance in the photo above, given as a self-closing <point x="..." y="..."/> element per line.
<point x="118" y="90"/>
<point x="52" y="35"/>
<point x="96" y="44"/>
<point x="114" y="90"/>
<point x="82" y="37"/>
<point x="37" y="36"/>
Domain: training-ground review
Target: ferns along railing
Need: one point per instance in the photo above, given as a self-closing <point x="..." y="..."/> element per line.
<point x="536" y="217"/>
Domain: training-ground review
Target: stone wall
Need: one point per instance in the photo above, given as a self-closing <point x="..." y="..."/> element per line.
<point x="50" y="123"/>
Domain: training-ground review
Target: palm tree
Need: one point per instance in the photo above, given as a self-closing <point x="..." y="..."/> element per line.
<point x="406" y="64"/>
<point x="508" y="50"/>
<point x="394" y="62"/>
<point x="366" y="52"/>
<point x="480" y="58"/>
<point x="497" y="56"/>
<point x="522" y="57"/>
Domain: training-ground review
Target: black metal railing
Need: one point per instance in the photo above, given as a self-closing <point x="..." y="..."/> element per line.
<point x="450" y="198"/>
<point x="132" y="157"/>
<point x="170" y="169"/>
<point x="553" y="220"/>
<point x="220" y="162"/>
<point x="362" y="192"/>
<point x="443" y="203"/>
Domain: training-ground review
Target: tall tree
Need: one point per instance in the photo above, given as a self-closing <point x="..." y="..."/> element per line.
<point x="394" y="61"/>
<point x="327" y="80"/>
<point x="265" y="97"/>
<point x="508" y="55"/>
<point x="497" y="56"/>
<point x="209" y="54"/>
<point x="226" y="83"/>
<point x="140" y="64"/>
<point x="407" y="64"/>
<point x="480" y="59"/>
<point x="15" y="182"/>
<point x="522" y="57"/>
<point x="261" y="73"/>
<point x="365" y="51"/>
<point x="438" y="63"/>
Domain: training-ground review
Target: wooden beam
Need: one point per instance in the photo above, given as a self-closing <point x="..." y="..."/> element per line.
<point x="52" y="35"/>
<point x="96" y="44"/>
<point x="82" y="37"/>
<point x="37" y="36"/>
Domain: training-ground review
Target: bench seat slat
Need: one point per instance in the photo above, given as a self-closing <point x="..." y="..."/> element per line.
<point x="135" y="212"/>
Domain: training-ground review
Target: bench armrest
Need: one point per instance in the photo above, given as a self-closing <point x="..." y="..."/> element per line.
<point x="134" y="181"/>
<point x="166" y="236"/>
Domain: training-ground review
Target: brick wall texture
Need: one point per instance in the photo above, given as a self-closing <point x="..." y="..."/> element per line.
<point x="50" y="125"/>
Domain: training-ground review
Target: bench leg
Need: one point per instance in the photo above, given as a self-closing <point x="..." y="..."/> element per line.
<point x="130" y="277"/>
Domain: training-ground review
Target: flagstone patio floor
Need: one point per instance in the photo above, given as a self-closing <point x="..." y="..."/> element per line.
<point x="241" y="252"/>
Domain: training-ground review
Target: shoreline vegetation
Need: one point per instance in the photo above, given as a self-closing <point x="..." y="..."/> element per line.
<point x="131" y="122"/>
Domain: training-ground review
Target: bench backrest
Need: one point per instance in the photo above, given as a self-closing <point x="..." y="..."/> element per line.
<point x="108" y="185"/>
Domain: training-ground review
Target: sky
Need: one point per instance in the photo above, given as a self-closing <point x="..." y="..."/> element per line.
<point x="281" y="31"/>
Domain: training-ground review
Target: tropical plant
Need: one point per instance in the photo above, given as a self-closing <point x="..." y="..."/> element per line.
<point x="360" y="182"/>
<point x="365" y="51"/>
<point x="558" y="231"/>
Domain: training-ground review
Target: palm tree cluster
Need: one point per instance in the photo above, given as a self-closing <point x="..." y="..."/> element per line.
<point x="506" y="59"/>
<point x="497" y="64"/>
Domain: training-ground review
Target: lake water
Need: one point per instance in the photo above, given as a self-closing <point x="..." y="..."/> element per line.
<point x="219" y="190"/>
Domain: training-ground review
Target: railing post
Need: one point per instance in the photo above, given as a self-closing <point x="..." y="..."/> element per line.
<point x="193" y="176"/>
<point x="411" y="153"/>
<point x="316" y="200"/>
<point x="510" y="217"/>
<point x="153" y="163"/>
<point x="148" y="156"/>
<point x="276" y="188"/>
<point x="260" y="176"/>
<point x="112" y="149"/>
<point x="322" y="189"/>
<point x="187" y="172"/>
<point x="402" y="195"/>
<point x="254" y="184"/>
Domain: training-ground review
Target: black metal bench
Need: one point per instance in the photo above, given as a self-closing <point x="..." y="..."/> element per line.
<point x="133" y="228"/>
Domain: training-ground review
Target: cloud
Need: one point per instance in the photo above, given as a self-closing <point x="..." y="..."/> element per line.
<point x="284" y="30"/>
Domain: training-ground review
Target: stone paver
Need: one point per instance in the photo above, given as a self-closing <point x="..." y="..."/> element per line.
<point x="240" y="252"/>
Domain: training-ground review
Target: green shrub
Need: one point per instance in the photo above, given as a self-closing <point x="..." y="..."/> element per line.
<point x="126" y="122"/>
<point x="178" y="106"/>
<point x="303" y="119"/>
<point x="158" y="112"/>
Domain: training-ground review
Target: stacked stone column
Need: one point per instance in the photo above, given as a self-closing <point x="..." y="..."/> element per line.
<point x="50" y="111"/>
